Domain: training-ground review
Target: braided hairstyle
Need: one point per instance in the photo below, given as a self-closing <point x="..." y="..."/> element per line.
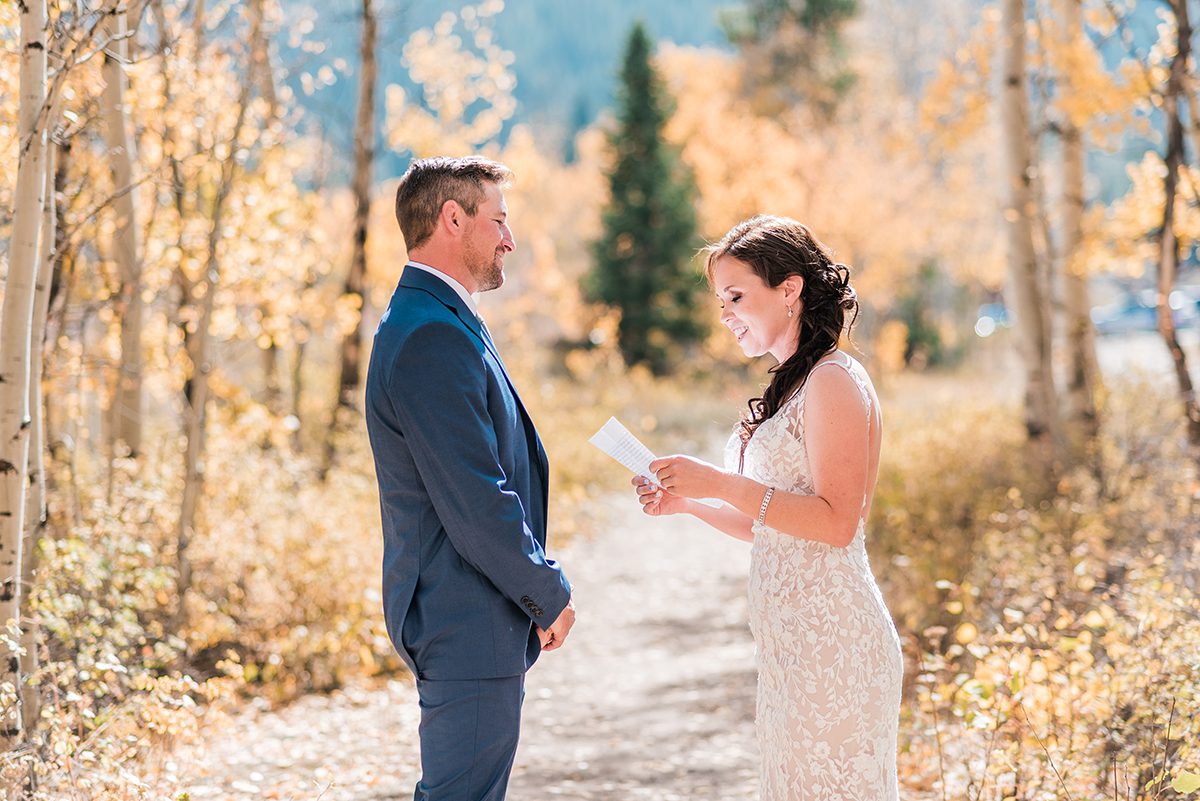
<point x="775" y="248"/>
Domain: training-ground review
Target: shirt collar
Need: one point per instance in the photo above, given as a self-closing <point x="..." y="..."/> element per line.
<point x="466" y="296"/>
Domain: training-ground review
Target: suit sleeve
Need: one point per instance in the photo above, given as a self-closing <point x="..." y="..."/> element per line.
<point x="438" y="386"/>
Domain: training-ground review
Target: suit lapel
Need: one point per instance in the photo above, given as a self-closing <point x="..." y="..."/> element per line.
<point x="535" y="443"/>
<point x="417" y="278"/>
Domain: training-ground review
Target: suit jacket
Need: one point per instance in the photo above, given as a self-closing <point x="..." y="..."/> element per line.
<point x="463" y="488"/>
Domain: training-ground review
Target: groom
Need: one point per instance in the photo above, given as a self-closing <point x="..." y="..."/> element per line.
<point x="470" y="597"/>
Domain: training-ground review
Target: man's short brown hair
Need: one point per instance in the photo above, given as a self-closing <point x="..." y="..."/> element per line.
<point x="429" y="183"/>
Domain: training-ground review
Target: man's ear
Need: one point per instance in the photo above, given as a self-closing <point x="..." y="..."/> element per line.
<point x="793" y="287"/>
<point x="452" y="217"/>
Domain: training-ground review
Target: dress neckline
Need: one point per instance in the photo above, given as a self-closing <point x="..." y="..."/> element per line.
<point x="846" y="364"/>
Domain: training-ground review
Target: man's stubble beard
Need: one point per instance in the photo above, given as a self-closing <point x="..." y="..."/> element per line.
<point x="488" y="272"/>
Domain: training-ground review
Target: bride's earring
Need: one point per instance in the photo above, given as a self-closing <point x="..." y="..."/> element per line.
<point x="791" y="311"/>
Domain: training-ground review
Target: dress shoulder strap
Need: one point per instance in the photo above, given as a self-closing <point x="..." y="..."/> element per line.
<point x="852" y="368"/>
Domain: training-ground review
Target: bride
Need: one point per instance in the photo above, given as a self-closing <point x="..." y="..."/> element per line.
<point x="800" y="471"/>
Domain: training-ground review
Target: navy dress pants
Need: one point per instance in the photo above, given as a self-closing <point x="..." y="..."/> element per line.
<point x="468" y="733"/>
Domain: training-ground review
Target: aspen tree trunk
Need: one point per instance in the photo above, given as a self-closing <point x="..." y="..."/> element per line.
<point x="187" y="289"/>
<point x="1168" y="241"/>
<point x="364" y="159"/>
<point x="272" y="387"/>
<point x="172" y="145"/>
<point x="56" y="417"/>
<point x="1083" y="371"/>
<point x="297" y="395"/>
<point x="127" y="412"/>
<point x="1028" y="290"/>
<point x="198" y="14"/>
<point x="170" y="140"/>
<point x="35" y="500"/>
<point x="16" y="323"/>
<point x="260" y="59"/>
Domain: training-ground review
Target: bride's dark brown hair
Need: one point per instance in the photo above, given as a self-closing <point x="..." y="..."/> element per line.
<point x="776" y="248"/>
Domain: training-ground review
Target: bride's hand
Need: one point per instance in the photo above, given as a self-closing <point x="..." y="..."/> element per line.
<point x="688" y="477"/>
<point x="654" y="501"/>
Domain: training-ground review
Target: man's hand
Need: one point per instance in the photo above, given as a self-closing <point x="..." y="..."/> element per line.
<point x="558" y="629"/>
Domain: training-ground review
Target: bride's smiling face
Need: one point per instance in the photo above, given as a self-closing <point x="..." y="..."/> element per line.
<point x="757" y="314"/>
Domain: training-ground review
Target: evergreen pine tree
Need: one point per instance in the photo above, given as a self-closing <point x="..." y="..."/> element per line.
<point x="793" y="53"/>
<point x="643" y="259"/>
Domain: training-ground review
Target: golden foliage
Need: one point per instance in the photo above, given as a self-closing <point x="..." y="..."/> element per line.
<point x="1061" y="613"/>
<point x="1129" y="226"/>
<point x="864" y="186"/>
<point x="957" y="104"/>
<point x="920" y="525"/>
<point x="1054" y="651"/>
<point x="465" y="86"/>
<point x="121" y="680"/>
<point x="297" y="598"/>
<point x="1107" y="104"/>
<point x="555" y="209"/>
<point x="114" y="693"/>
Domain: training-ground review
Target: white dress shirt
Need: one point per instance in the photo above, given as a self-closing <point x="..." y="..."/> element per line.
<point x="453" y="284"/>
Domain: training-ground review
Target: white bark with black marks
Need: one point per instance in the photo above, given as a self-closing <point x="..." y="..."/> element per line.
<point x="16" y="336"/>
<point x="35" y="500"/>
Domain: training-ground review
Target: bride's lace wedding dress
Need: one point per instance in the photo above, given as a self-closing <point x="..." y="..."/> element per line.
<point x="829" y="660"/>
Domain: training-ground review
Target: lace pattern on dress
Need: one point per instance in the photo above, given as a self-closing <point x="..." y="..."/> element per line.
<point x="829" y="659"/>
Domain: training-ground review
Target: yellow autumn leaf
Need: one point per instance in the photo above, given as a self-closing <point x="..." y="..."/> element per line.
<point x="1186" y="782"/>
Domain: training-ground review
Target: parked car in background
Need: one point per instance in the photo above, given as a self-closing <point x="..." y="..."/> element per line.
<point x="1137" y="312"/>
<point x="990" y="317"/>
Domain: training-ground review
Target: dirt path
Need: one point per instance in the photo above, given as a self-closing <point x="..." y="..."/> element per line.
<point x="651" y="698"/>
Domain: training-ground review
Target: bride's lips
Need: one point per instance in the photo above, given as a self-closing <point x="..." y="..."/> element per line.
<point x="739" y="332"/>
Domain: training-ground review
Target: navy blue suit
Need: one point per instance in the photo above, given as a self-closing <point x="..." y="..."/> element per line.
<point x="463" y="483"/>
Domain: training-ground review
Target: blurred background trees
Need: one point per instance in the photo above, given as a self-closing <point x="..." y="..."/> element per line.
<point x="795" y="54"/>
<point x="643" y="261"/>
<point x="199" y="241"/>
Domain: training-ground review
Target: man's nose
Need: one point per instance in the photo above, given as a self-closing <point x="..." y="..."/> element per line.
<point x="508" y="242"/>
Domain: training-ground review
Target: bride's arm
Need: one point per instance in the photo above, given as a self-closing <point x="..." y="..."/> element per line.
<point x="725" y="519"/>
<point x="837" y="439"/>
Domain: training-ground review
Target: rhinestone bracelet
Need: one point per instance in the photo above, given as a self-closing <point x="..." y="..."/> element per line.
<point x="762" y="510"/>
